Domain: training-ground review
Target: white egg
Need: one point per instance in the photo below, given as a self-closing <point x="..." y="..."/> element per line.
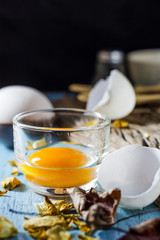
<point x="16" y="98"/>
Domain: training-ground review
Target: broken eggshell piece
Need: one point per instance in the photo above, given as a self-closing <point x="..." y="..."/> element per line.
<point x="135" y="170"/>
<point x="114" y="97"/>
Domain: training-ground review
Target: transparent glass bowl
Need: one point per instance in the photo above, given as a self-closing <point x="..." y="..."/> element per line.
<point x="60" y="148"/>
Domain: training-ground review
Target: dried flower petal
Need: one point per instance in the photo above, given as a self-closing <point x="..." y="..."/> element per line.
<point x="58" y="233"/>
<point x="15" y="171"/>
<point x="10" y="183"/>
<point x="12" y="162"/>
<point x="37" y="233"/>
<point x="36" y="144"/>
<point x="146" y="135"/>
<point x="62" y="205"/>
<point x="96" y="208"/>
<point x="90" y="123"/>
<point x="120" y="124"/>
<point x="83" y="227"/>
<point x="149" y="229"/>
<point x="83" y="237"/>
<point x="53" y="207"/>
<point x="2" y="192"/>
<point x="7" y="228"/>
<point x="43" y="221"/>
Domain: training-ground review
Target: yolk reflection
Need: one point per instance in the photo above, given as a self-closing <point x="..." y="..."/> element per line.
<point x="58" y="167"/>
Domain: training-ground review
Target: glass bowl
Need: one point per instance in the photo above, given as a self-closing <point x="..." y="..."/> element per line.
<point x="60" y="148"/>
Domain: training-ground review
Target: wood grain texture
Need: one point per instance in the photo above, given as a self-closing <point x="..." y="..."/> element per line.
<point x="143" y="122"/>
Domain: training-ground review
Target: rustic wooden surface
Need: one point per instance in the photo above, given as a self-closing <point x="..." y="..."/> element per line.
<point x="144" y="129"/>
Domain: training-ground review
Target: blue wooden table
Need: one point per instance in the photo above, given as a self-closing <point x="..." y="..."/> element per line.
<point x="22" y="199"/>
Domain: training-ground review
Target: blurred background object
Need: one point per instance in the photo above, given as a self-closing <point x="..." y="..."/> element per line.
<point x="144" y="67"/>
<point x="49" y="44"/>
<point x="106" y="61"/>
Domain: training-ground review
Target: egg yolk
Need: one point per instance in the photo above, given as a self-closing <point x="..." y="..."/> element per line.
<point x="58" y="167"/>
<point x="58" y="157"/>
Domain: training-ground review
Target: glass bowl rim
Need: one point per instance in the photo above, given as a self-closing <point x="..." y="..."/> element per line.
<point x="106" y="119"/>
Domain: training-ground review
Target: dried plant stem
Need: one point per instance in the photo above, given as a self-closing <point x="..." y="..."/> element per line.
<point x="118" y="229"/>
<point x="137" y="214"/>
<point x="22" y="213"/>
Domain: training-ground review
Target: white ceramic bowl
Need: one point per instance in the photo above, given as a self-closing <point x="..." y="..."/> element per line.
<point x="144" y="66"/>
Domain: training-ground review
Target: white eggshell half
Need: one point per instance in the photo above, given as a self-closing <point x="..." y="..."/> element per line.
<point x="114" y="97"/>
<point x="135" y="170"/>
<point x="15" y="99"/>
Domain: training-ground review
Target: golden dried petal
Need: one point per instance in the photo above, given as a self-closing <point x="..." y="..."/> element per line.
<point x="7" y="228"/>
<point x="43" y="221"/>
<point x="83" y="237"/>
<point x="38" y="233"/>
<point x="53" y="207"/>
<point x="74" y="143"/>
<point x="15" y="171"/>
<point x="46" y="207"/>
<point x="58" y="233"/>
<point x="68" y="222"/>
<point x="146" y="135"/>
<point x="83" y="227"/>
<point x="2" y="192"/>
<point x="10" y="183"/>
<point x="90" y="123"/>
<point x="68" y="142"/>
<point x="29" y="147"/>
<point x="120" y="124"/>
<point x="12" y="162"/>
<point x="36" y="144"/>
<point x="63" y="205"/>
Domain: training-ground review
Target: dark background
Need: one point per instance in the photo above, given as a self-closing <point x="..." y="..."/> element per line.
<point x="49" y="44"/>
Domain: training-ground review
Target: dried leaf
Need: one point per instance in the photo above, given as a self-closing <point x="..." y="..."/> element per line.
<point x="43" y="221"/>
<point x="7" y="228"/>
<point x="96" y="208"/>
<point x="2" y="192"/>
<point x="121" y="124"/>
<point x="83" y="237"/>
<point x="15" y="171"/>
<point x="12" y="162"/>
<point x="58" y="233"/>
<point x="148" y="230"/>
<point x="157" y="201"/>
<point x="53" y="207"/>
<point x="10" y="183"/>
<point x="36" y="144"/>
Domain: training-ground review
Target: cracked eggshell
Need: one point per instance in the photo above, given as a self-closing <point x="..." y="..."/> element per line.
<point x="16" y="98"/>
<point x="136" y="171"/>
<point x="114" y="97"/>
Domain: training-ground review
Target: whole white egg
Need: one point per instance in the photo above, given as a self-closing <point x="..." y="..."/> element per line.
<point x="17" y="98"/>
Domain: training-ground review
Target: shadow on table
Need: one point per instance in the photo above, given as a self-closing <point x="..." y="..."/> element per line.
<point x="21" y="188"/>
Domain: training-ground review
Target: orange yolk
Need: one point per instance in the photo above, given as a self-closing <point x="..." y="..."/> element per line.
<point x="58" y="167"/>
<point x="58" y="157"/>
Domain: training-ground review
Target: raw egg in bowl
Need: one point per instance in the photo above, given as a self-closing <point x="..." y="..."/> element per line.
<point x="60" y="148"/>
